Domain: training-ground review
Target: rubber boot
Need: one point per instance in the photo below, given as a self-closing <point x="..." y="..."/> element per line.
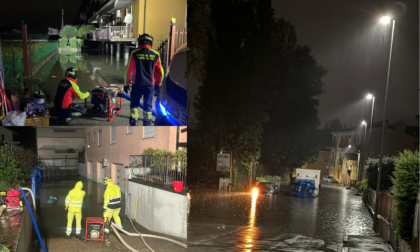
<point x="133" y="122"/>
<point x="147" y="122"/>
<point x="106" y="236"/>
<point x="77" y="236"/>
<point x="68" y="236"/>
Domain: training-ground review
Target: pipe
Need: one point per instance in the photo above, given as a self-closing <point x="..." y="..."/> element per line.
<point x="33" y="198"/>
<point x="126" y="96"/>
<point x="122" y="241"/>
<point x="33" y="219"/>
<point x="150" y="236"/>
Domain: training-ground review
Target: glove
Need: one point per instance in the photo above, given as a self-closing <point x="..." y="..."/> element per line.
<point x="126" y="89"/>
<point x="89" y="91"/>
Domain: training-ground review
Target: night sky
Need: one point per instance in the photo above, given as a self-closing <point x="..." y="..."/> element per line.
<point x="348" y="40"/>
<point x="37" y="14"/>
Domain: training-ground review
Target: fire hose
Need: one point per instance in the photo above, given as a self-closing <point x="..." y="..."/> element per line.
<point x="115" y="228"/>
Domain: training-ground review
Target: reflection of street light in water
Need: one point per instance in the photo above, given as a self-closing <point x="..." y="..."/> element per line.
<point x="248" y="239"/>
<point x="253" y="206"/>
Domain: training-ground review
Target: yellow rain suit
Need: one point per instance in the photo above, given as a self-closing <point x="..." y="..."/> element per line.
<point x="74" y="203"/>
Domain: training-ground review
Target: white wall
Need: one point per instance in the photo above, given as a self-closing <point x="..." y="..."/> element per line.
<point x="8" y="134"/>
<point x="158" y="210"/>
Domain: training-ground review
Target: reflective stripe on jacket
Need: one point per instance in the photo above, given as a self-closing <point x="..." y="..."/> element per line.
<point x="112" y="196"/>
<point x="146" y="67"/>
<point x="66" y="89"/>
<point x="74" y="200"/>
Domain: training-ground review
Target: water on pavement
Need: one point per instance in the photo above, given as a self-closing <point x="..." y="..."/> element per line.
<point x="242" y="220"/>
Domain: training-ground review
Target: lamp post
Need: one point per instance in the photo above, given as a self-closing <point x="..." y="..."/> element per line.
<point x="384" y="20"/>
<point x="370" y="97"/>
<point x="359" y="174"/>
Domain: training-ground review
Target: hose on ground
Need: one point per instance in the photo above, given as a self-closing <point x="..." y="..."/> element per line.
<point x="141" y="236"/>
<point x="121" y="239"/>
<point x="33" y="198"/>
<point x="150" y="236"/>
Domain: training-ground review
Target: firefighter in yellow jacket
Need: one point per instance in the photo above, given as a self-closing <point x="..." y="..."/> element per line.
<point x="112" y="204"/>
<point x="74" y="203"/>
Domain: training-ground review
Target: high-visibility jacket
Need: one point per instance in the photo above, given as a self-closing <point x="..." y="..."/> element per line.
<point x="146" y="67"/>
<point x="65" y="92"/>
<point x="112" y="196"/>
<point x="75" y="198"/>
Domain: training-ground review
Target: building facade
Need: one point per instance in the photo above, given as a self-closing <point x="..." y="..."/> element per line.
<point x="116" y="144"/>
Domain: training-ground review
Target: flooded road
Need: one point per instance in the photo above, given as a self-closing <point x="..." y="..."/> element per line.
<point x="220" y="221"/>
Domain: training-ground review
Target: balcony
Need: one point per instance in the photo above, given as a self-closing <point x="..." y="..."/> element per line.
<point x="114" y="33"/>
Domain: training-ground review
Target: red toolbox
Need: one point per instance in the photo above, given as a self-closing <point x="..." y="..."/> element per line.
<point x="94" y="229"/>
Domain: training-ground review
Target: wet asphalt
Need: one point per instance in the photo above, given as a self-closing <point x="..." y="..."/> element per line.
<point x="239" y="221"/>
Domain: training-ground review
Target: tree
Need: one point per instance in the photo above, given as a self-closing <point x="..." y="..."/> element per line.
<point x="405" y="189"/>
<point x="26" y="160"/>
<point x="290" y="137"/>
<point x="68" y="32"/>
<point x="9" y="168"/>
<point x="84" y="30"/>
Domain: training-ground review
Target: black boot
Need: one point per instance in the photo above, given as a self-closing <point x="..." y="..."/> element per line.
<point x="106" y="236"/>
<point x="77" y="236"/>
<point x="68" y="236"/>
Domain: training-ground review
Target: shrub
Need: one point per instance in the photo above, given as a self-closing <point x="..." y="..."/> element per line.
<point x="405" y="190"/>
<point x="84" y="29"/>
<point x="363" y="188"/>
<point x="63" y="59"/>
<point x="63" y="42"/>
<point x="9" y="168"/>
<point x="73" y="42"/>
<point x="80" y="42"/>
<point x="68" y="32"/>
<point x="372" y="165"/>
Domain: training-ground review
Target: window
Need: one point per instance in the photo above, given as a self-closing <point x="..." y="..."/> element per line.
<point x="149" y="132"/>
<point x="94" y="136"/>
<point x="130" y="130"/>
<point x="88" y="140"/>
<point x="113" y="134"/>
<point x="100" y="138"/>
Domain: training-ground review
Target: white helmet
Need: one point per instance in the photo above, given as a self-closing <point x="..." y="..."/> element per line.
<point x="178" y="67"/>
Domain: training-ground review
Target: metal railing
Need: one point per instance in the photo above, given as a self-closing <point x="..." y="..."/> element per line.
<point x="163" y="170"/>
<point x="10" y="146"/>
<point x="114" y="33"/>
<point x="169" y="46"/>
<point x="59" y="163"/>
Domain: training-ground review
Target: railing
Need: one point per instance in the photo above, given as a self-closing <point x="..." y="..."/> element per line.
<point x="114" y="33"/>
<point x="161" y="171"/>
<point x="59" y="163"/>
<point x="10" y="146"/>
<point x="169" y="46"/>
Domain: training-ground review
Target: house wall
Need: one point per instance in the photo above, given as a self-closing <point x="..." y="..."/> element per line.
<point x="322" y="163"/>
<point x="8" y="135"/>
<point x="158" y="17"/>
<point x="394" y="142"/>
<point x="126" y="145"/>
<point x="158" y="210"/>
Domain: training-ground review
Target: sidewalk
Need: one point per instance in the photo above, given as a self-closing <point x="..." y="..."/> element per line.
<point x="356" y="243"/>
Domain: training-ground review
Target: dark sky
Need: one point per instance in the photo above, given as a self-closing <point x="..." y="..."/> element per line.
<point x="37" y="14"/>
<point x="348" y="40"/>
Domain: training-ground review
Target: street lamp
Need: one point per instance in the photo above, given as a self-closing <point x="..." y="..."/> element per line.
<point x="384" y="20"/>
<point x="370" y="97"/>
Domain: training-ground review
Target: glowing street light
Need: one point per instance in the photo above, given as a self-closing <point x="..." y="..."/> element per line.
<point x="369" y="96"/>
<point x="350" y="146"/>
<point x="364" y="122"/>
<point x="385" y="20"/>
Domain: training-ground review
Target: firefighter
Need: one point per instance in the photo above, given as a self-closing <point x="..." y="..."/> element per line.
<point x="68" y="88"/>
<point x="147" y="72"/>
<point x="74" y="202"/>
<point x="112" y="204"/>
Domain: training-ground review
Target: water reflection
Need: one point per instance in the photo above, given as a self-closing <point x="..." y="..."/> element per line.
<point x="253" y="207"/>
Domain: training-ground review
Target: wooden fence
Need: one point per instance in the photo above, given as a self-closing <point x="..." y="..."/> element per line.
<point x="387" y="221"/>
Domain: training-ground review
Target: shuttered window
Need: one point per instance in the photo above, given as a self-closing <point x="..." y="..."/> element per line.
<point x="113" y="134"/>
<point x="88" y="138"/>
<point x="149" y="132"/>
<point x="100" y="138"/>
<point x="130" y="130"/>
